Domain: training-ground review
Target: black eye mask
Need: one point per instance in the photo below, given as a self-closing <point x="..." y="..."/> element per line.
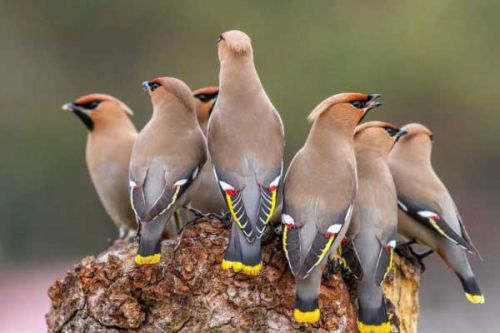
<point x="391" y="131"/>
<point x="206" y="97"/>
<point x="358" y="104"/>
<point x="89" y="106"/>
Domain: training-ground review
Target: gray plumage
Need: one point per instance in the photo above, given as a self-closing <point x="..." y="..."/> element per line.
<point x="246" y="143"/>
<point x="319" y="190"/>
<point x="428" y="213"/>
<point x="372" y="231"/>
<point x="166" y="159"/>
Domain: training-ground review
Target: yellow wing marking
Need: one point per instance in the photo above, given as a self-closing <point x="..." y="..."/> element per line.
<point x="231" y="209"/>
<point x="325" y="250"/>
<point x="273" y="206"/>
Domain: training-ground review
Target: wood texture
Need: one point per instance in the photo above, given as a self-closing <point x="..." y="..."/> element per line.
<point x="189" y="292"/>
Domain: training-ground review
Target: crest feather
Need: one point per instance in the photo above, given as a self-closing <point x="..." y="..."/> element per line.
<point x="238" y="41"/>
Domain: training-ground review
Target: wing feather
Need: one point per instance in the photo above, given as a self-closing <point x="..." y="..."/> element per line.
<point x="431" y="219"/>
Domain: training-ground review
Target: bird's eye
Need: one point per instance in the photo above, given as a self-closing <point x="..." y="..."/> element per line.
<point x="92" y="105"/>
<point x="358" y="104"/>
<point x="203" y="97"/>
<point x="154" y="85"/>
<point x="391" y="131"/>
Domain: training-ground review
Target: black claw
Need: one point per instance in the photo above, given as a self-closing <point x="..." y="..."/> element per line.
<point x="421" y="256"/>
<point x="406" y="251"/>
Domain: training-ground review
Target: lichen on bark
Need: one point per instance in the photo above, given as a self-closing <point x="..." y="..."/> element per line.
<point x="189" y="292"/>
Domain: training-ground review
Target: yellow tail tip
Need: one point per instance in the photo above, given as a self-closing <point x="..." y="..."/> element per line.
<point x="238" y="266"/>
<point x="226" y="264"/>
<point x="235" y="265"/>
<point x="382" y="328"/>
<point x="475" y="299"/>
<point x="149" y="260"/>
<point x="309" y="317"/>
<point x="252" y="270"/>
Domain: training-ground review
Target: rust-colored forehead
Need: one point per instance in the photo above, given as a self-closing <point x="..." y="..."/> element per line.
<point x="93" y="97"/>
<point x="375" y="124"/>
<point x="206" y="90"/>
<point x="348" y="97"/>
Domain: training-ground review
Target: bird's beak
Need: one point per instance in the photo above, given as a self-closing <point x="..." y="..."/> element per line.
<point x="220" y="38"/>
<point x="72" y="107"/>
<point x="145" y="86"/>
<point x="399" y="134"/>
<point x="372" y="102"/>
<point x="80" y="113"/>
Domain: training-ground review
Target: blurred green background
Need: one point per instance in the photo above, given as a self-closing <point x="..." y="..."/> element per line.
<point x="435" y="62"/>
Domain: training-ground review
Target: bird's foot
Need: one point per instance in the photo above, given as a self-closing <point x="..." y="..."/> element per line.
<point x="225" y="217"/>
<point x="406" y="251"/>
<point x="198" y="213"/>
<point x="272" y="234"/>
<point x="333" y="266"/>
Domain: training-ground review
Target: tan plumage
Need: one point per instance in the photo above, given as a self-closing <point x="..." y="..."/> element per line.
<point x="246" y="143"/>
<point x="167" y="157"/>
<point x="109" y="145"/>
<point x="372" y="231"/>
<point x="428" y="213"/>
<point x="319" y="190"/>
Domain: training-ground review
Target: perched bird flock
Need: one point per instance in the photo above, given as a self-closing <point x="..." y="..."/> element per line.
<point x="347" y="192"/>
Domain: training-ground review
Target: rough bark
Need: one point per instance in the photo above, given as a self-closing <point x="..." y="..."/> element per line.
<point x="189" y="292"/>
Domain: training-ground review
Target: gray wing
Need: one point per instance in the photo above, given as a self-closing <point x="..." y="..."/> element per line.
<point x="170" y="193"/>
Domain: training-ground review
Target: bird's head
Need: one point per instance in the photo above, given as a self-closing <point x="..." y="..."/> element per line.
<point x="204" y="103"/>
<point x="377" y="136"/>
<point x="417" y="132"/>
<point x="166" y="90"/>
<point x="417" y="143"/>
<point x="234" y="43"/>
<point x="348" y="109"/>
<point x="98" y="109"/>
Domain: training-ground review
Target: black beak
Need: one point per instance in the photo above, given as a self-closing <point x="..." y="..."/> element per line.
<point x="220" y="38"/>
<point x="372" y="102"/>
<point x="71" y="107"/>
<point x="146" y="86"/>
<point x="400" y="133"/>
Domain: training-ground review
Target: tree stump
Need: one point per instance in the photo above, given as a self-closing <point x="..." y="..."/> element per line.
<point x="189" y="292"/>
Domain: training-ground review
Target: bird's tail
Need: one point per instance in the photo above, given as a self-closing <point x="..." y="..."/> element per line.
<point x="373" y="319"/>
<point x="251" y="257"/>
<point x="457" y="260"/>
<point x="244" y="250"/>
<point x="472" y="291"/>
<point x="242" y="255"/>
<point x="150" y="237"/>
<point x="307" y="298"/>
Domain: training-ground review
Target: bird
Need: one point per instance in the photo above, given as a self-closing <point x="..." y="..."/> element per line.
<point x="319" y="192"/>
<point x="427" y="213"/>
<point x="372" y="234"/>
<point x="207" y="199"/>
<point x="111" y="135"/>
<point x="204" y="103"/>
<point x="246" y="144"/>
<point x="166" y="159"/>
